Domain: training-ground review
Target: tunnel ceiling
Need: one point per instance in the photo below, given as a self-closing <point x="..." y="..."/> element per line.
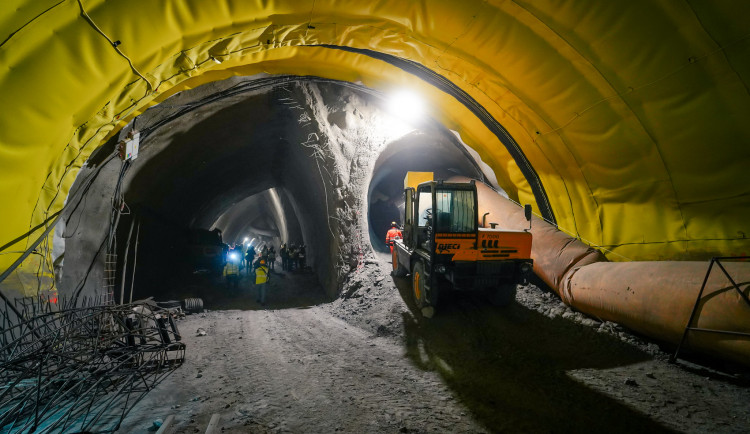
<point x="212" y="157"/>
<point x="201" y="154"/>
<point x="626" y="123"/>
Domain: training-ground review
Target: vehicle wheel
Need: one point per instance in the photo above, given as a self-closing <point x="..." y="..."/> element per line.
<point x="398" y="269"/>
<point x="503" y="295"/>
<point x="418" y="285"/>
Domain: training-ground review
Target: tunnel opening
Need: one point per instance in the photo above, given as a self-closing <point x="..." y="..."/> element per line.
<point x="290" y="160"/>
<point x="180" y="261"/>
<point x="435" y="150"/>
<point x="210" y="161"/>
<point x="261" y="218"/>
<point x="222" y="172"/>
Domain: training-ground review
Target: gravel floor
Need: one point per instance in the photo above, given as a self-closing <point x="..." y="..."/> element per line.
<point x="366" y="363"/>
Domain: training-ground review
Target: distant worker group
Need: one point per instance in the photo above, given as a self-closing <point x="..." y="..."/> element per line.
<point x="257" y="266"/>
<point x="259" y="262"/>
<point x="293" y="257"/>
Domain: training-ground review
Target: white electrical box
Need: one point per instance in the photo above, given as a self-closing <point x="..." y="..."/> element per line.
<point x="129" y="148"/>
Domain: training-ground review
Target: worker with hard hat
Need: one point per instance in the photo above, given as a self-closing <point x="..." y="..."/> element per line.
<point x="293" y="257"/>
<point x="284" y="253"/>
<point x="261" y="280"/>
<point x="249" y="258"/>
<point x="272" y="258"/>
<point x="232" y="269"/>
<point x="301" y="253"/>
<point x="393" y="234"/>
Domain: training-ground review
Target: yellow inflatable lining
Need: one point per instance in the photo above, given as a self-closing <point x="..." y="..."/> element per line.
<point x="633" y="115"/>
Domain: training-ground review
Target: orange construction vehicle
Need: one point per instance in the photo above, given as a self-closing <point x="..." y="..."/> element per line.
<point x="444" y="248"/>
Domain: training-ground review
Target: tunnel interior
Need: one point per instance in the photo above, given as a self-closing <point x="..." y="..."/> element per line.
<point x="621" y="124"/>
<point x="436" y="151"/>
<point x="289" y="160"/>
<point x="216" y="169"/>
<point x="612" y="149"/>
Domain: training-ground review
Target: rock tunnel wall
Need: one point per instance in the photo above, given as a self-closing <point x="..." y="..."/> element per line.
<point x="316" y="143"/>
<point x="632" y="115"/>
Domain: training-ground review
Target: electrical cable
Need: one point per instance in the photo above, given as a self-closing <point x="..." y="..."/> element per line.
<point x="84" y="190"/>
<point x="442" y="83"/>
<point x="88" y="182"/>
<point x="18" y="262"/>
<point x="82" y="283"/>
<point x="31" y="21"/>
<point x="118" y="204"/>
<point x="114" y="45"/>
<point x="51" y="221"/>
<point x="34" y="229"/>
<point x="135" y="259"/>
<point x="78" y="223"/>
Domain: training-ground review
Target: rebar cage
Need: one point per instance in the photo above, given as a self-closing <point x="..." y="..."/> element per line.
<point x="81" y="369"/>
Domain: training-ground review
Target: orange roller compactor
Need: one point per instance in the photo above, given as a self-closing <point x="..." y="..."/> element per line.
<point x="445" y="248"/>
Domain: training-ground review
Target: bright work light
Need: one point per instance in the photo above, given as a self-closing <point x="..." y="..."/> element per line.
<point x="406" y="105"/>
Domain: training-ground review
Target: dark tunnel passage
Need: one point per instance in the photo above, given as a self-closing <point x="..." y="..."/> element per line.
<point x="219" y="172"/>
<point x="436" y="151"/>
<point x="296" y="160"/>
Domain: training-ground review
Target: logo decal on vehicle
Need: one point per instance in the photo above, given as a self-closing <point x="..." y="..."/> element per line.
<point x="443" y="247"/>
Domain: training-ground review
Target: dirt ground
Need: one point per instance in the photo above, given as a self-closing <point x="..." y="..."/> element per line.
<point x="367" y="363"/>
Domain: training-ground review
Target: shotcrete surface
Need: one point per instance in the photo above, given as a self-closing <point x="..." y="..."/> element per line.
<point x="367" y="363"/>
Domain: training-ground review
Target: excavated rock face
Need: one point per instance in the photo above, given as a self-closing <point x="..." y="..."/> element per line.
<point x="279" y="159"/>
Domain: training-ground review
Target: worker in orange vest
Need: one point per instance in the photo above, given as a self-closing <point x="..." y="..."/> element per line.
<point x="394" y="233"/>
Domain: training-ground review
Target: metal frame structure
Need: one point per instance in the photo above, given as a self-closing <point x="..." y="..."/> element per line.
<point x="717" y="261"/>
<point x="81" y="369"/>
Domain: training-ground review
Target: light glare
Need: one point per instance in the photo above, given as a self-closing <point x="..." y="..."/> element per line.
<point x="406" y="105"/>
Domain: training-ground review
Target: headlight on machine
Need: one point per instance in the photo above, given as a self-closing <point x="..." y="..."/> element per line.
<point x="526" y="268"/>
<point x="440" y="268"/>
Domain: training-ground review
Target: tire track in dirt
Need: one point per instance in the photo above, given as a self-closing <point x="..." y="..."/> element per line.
<point x="256" y="368"/>
<point x="335" y="371"/>
<point x="298" y="370"/>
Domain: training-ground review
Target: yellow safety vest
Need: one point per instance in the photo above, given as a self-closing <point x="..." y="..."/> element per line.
<point x="231" y="269"/>
<point x="261" y="275"/>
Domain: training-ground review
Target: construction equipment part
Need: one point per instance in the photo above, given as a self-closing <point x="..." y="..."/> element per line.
<point x="445" y="249"/>
<point x="653" y="298"/>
